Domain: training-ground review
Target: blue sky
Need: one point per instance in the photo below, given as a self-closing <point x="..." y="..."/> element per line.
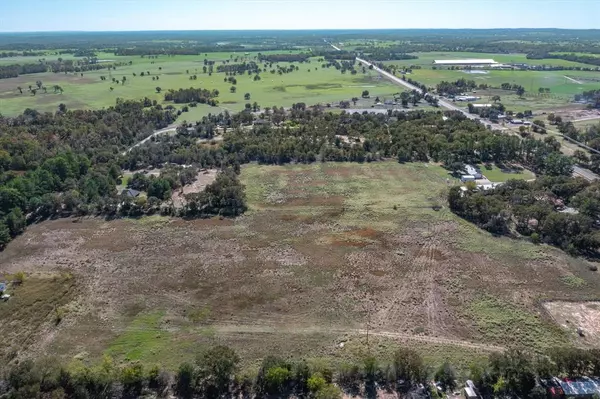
<point x="103" y="15"/>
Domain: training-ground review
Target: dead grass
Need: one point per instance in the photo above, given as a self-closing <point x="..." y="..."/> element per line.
<point x="324" y="250"/>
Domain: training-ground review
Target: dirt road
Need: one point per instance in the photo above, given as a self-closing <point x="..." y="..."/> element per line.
<point x="266" y="329"/>
<point x="170" y="128"/>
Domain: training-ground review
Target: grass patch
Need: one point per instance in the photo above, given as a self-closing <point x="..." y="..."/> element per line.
<point x="573" y="281"/>
<point x="142" y="339"/>
<point x="501" y="175"/>
<point x="508" y="324"/>
<point x="33" y="307"/>
<point x="474" y="239"/>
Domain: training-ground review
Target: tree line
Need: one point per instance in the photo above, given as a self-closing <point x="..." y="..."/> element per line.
<point x="294" y="57"/>
<point x="581" y="58"/>
<point x="536" y="210"/>
<point x="192" y="95"/>
<point x="217" y="372"/>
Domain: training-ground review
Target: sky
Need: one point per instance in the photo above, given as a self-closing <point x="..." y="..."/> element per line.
<point x="132" y="15"/>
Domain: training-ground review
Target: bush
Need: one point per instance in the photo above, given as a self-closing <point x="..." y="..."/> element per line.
<point x="316" y="382"/>
<point x="19" y="278"/>
<point x="535" y="238"/>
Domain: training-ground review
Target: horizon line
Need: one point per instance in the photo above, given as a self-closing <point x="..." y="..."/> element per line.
<point x="292" y="30"/>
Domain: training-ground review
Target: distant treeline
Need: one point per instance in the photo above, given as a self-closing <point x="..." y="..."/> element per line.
<point x="297" y="57"/>
<point x="191" y="50"/>
<point x="242" y="68"/>
<point x="192" y="95"/>
<point x="9" y="54"/>
<point x="584" y="59"/>
<point x="13" y="71"/>
<point x="87" y="64"/>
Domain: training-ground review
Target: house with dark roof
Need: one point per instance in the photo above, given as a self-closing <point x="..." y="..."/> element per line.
<point x="131" y="193"/>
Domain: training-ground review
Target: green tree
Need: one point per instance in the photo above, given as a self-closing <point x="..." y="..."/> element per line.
<point x="217" y="368"/>
<point x="158" y="89"/>
<point x="520" y="91"/>
<point x="247" y="96"/>
<point x="446" y="377"/>
<point x="185" y="381"/>
<point x="557" y="164"/>
<point x="15" y="221"/>
<point x="159" y="188"/>
<point x="232" y="89"/>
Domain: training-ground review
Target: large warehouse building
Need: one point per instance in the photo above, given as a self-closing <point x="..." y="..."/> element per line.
<point x="467" y="62"/>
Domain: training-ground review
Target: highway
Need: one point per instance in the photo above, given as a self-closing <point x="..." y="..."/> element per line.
<point x="443" y="103"/>
<point x="577" y="171"/>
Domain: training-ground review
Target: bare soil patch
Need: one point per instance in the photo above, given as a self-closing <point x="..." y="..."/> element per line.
<point x="203" y="179"/>
<point x="574" y="315"/>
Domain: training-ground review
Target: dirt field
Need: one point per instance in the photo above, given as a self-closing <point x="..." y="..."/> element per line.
<point x="326" y="252"/>
<point x="574" y="315"/>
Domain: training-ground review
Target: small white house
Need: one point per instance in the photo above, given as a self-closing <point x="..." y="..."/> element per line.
<point x="466" y="178"/>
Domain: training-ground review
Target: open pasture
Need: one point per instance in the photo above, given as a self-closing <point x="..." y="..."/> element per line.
<point x="88" y="91"/>
<point x="326" y="252"/>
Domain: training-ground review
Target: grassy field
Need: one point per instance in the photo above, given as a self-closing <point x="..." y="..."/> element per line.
<point x="563" y="84"/>
<point x="88" y="91"/>
<point x="496" y="174"/>
<point x="325" y="252"/>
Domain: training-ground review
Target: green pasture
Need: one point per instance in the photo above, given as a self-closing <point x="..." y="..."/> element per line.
<point x="563" y="85"/>
<point x="426" y="59"/>
<point x="315" y="86"/>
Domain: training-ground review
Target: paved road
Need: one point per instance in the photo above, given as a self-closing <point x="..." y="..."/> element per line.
<point x="167" y="129"/>
<point x="443" y="103"/>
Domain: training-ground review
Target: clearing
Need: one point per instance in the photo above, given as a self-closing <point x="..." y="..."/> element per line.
<point x="326" y="251"/>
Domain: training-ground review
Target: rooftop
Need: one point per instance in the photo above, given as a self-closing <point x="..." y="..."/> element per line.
<point x="472" y="61"/>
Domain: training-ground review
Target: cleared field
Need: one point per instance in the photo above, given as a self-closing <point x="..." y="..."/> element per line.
<point x="326" y="252"/>
<point x="315" y="86"/>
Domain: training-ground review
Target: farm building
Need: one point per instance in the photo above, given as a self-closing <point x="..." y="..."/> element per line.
<point x="467" y="98"/>
<point x="482" y="105"/>
<point x="473" y="171"/>
<point x="465" y="62"/>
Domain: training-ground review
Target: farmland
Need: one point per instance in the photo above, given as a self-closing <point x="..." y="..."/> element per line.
<point x="325" y="252"/>
<point x="88" y="91"/>
<point x="563" y="85"/>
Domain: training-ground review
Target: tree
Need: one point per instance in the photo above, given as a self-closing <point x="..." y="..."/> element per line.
<point x="496" y="98"/>
<point x="39" y="84"/>
<point x="557" y="164"/>
<point x="232" y="89"/>
<point x="365" y="94"/>
<point x="520" y="91"/>
<point x="158" y="89"/>
<point x="217" y="367"/>
<point x="247" y="96"/>
<point x="184" y="381"/>
<point x="20" y="89"/>
<point x="159" y="188"/>
<point x="123" y="80"/>
<point x="446" y="377"/>
<point x="112" y="88"/>
<point x="354" y="100"/>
